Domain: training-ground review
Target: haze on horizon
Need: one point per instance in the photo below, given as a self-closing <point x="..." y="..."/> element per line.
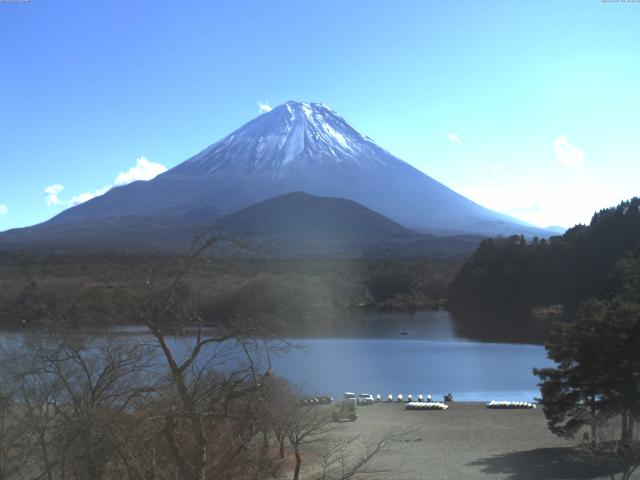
<point x="528" y="109"/>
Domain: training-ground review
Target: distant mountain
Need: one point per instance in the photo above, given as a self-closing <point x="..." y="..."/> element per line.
<point x="299" y="214"/>
<point x="299" y="224"/>
<point x="555" y="230"/>
<point x="296" y="147"/>
<point x="291" y="225"/>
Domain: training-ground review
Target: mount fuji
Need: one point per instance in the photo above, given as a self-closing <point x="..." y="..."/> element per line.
<point x="296" y="147"/>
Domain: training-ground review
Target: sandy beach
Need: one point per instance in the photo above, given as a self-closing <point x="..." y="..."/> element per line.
<point x="469" y="441"/>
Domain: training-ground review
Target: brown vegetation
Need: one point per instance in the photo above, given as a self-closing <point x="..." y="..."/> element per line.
<point x="197" y="402"/>
<point x="77" y="287"/>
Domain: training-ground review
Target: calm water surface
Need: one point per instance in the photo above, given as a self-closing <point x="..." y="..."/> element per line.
<point x="428" y="359"/>
<point x="392" y="353"/>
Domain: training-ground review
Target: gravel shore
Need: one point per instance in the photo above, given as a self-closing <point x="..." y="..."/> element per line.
<point x="470" y="441"/>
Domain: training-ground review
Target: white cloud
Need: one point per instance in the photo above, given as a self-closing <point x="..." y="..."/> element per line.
<point x="264" y="107"/>
<point x="143" y="170"/>
<point x="495" y="168"/>
<point x="52" y="192"/>
<point x="453" y="137"/>
<point x="3" y="209"/>
<point x="567" y="154"/>
<point x="83" y="197"/>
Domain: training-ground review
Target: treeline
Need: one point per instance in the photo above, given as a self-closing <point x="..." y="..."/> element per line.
<point x="515" y="275"/>
<point x="82" y="286"/>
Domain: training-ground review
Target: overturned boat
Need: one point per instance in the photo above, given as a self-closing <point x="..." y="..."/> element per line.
<point x="510" y="405"/>
<point x="426" y="406"/>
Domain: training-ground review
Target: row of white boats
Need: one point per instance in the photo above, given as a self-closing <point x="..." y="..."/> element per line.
<point x="510" y="405"/>
<point x="492" y="404"/>
<point x="424" y="402"/>
<point x="426" y="406"/>
<point x="409" y="398"/>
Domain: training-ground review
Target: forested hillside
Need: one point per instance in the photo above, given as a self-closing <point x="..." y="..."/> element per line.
<point x="515" y="275"/>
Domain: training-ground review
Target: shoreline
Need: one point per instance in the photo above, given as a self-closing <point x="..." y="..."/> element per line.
<point x="469" y="442"/>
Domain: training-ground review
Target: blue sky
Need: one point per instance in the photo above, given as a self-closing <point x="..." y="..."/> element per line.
<point x="530" y="108"/>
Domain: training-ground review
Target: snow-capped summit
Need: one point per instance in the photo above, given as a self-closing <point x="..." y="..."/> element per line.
<point x="297" y="134"/>
<point x="297" y="147"/>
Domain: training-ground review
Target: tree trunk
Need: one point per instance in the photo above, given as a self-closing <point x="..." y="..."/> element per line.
<point x="594" y="423"/>
<point x="296" y="472"/>
<point x="45" y="456"/>
<point x="202" y="460"/>
<point x="624" y="427"/>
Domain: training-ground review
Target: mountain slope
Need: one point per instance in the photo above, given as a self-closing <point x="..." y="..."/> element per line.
<point x="301" y="147"/>
<point x="296" y="147"/>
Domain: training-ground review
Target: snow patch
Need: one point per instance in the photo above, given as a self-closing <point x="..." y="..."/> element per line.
<point x="294" y="144"/>
<point x="303" y="133"/>
<point x="341" y="139"/>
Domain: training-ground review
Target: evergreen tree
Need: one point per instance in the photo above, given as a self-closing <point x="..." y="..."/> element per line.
<point x="573" y="393"/>
<point x="597" y="376"/>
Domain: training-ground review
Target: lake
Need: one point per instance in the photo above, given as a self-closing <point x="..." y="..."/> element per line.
<point x="395" y="353"/>
<point x="391" y="353"/>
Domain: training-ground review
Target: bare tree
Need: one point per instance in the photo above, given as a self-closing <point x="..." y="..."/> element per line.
<point x="213" y="371"/>
<point x="12" y="461"/>
<point x="306" y="425"/>
<point x="313" y="436"/>
<point x="69" y="396"/>
<point x="34" y="395"/>
<point x="349" y="458"/>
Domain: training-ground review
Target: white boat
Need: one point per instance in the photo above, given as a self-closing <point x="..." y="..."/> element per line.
<point x="427" y="406"/>
<point x="508" y="405"/>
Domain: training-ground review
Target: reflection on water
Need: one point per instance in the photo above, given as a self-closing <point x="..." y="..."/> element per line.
<point x="503" y="324"/>
<point x="392" y="353"/>
<point x="432" y="325"/>
<point x="472" y="371"/>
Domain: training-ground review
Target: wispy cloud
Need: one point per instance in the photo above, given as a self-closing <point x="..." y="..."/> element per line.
<point x="86" y="196"/>
<point x="453" y="137"/>
<point x="3" y="209"/>
<point x="495" y="168"/>
<point x="264" y="107"/>
<point x="52" y="192"/>
<point x="567" y="154"/>
<point x="143" y="170"/>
